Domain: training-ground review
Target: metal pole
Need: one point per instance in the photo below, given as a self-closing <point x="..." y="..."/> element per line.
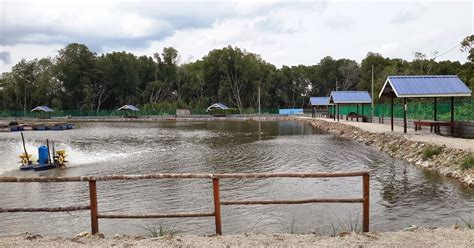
<point x="391" y="110"/>
<point x="94" y="211"/>
<point x="217" y="205"/>
<point x="259" y="112"/>
<point x="405" y="115"/>
<point x="24" y="148"/>
<point x="372" y="103"/>
<point x="365" y="204"/>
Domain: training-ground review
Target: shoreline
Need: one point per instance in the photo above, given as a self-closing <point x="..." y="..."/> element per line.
<point x="437" y="237"/>
<point x="446" y="162"/>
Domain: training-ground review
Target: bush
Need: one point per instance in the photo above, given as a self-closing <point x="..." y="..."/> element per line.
<point x="467" y="163"/>
<point x="431" y="151"/>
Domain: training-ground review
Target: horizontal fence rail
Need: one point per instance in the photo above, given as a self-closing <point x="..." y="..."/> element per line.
<point x="57" y="209"/>
<point x="95" y="215"/>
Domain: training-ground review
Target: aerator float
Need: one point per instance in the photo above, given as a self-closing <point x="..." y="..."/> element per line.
<point x="46" y="160"/>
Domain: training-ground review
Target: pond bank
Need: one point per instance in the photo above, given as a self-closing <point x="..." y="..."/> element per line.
<point x="440" y="237"/>
<point x="444" y="159"/>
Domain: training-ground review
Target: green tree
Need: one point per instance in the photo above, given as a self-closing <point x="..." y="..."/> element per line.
<point x="75" y="70"/>
<point x="467" y="45"/>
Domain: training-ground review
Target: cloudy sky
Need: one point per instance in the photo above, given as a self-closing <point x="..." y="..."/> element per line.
<point x="283" y="33"/>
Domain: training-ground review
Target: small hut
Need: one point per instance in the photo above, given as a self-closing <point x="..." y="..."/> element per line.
<point x="350" y="98"/>
<point x="217" y="109"/>
<point x="319" y="105"/>
<point x="42" y="112"/>
<point x="217" y="106"/>
<point x="129" y="110"/>
<point x="428" y="86"/>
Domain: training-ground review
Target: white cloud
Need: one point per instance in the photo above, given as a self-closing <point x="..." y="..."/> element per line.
<point x="287" y="33"/>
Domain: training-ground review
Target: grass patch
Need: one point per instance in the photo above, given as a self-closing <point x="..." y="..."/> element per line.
<point x="431" y="151"/>
<point x="467" y="223"/>
<point x="350" y="224"/>
<point x="394" y="148"/>
<point x="467" y="162"/>
<point x="291" y="229"/>
<point x="161" y="231"/>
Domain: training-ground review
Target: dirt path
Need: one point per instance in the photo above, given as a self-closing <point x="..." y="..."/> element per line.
<point x="442" y="237"/>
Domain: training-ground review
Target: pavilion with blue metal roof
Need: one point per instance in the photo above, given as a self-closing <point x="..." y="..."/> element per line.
<point x="316" y="102"/>
<point x="424" y="87"/>
<point x="349" y="97"/>
<point x="43" y="110"/>
<point x="129" y="107"/>
<point x="130" y="111"/>
<point x="217" y="106"/>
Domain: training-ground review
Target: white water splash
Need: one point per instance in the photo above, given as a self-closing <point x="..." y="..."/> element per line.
<point x="76" y="156"/>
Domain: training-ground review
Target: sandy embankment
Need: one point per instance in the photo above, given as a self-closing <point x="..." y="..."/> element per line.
<point x="442" y="237"/>
<point x="408" y="147"/>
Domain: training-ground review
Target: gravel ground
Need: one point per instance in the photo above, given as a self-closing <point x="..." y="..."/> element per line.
<point x="422" y="135"/>
<point x="441" y="237"/>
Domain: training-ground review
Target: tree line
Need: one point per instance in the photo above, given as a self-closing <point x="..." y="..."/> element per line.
<point x="79" y="79"/>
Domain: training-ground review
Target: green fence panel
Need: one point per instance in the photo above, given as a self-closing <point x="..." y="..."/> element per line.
<point x="417" y="109"/>
<point x="424" y="110"/>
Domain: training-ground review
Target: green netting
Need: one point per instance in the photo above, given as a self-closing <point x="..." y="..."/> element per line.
<point x="236" y="111"/>
<point x="105" y="113"/>
<point x="418" y="110"/>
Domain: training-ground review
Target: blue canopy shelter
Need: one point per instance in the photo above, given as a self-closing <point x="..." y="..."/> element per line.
<point x="217" y="106"/>
<point x="129" y="109"/>
<point x="349" y="97"/>
<point x="44" y="110"/>
<point x="424" y="87"/>
<point x="316" y="102"/>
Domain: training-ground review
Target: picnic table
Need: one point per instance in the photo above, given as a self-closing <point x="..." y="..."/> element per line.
<point x="432" y="124"/>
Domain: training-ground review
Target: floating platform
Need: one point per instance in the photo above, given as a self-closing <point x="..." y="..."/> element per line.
<point x="38" y="167"/>
<point x="53" y="126"/>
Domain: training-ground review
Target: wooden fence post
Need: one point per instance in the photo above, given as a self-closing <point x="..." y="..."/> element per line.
<point x="217" y="205"/>
<point x="93" y="205"/>
<point x="365" y="204"/>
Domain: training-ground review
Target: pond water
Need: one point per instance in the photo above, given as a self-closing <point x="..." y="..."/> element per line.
<point x="401" y="194"/>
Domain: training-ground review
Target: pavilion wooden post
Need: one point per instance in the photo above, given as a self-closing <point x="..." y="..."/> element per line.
<point x="405" y="107"/>
<point x="365" y="203"/>
<point x="435" y="114"/>
<point x="338" y="112"/>
<point x="357" y="112"/>
<point x="334" y="111"/>
<point x="362" y="106"/>
<point x="93" y="205"/>
<point x="217" y="205"/>
<point x="391" y="109"/>
<point x="452" y="116"/>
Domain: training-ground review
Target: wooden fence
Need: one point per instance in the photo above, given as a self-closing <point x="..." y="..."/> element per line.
<point x="95" y="215"/>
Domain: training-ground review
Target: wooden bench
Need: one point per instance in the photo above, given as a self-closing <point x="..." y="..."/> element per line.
<point x="353" y="115"/>
<point x="432" y="124"/>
